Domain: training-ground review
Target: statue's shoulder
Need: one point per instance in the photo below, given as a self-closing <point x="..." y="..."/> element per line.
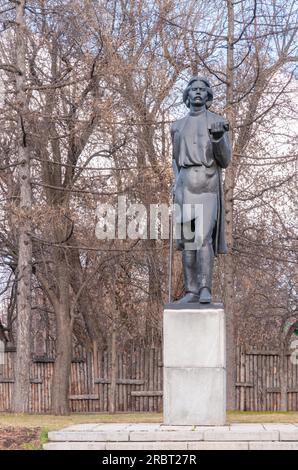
<point x="178" y="124"/>
<point x="213" y="117"/>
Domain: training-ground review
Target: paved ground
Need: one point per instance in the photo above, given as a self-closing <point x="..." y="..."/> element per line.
<point x="155" y="436"/>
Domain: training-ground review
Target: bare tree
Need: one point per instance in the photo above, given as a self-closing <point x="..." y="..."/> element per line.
<point x="24" y="270"/>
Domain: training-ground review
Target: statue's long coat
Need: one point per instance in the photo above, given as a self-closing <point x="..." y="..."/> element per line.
<point x="221" y="153"/>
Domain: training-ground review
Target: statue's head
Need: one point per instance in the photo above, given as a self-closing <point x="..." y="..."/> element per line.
<point x="201" y="82"/>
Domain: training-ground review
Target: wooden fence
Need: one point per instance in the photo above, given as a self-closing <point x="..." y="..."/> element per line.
<point x="258" y="383"/>
<point x="140" y="382"/>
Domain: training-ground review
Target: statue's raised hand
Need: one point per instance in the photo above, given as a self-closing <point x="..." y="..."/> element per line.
<point x="218" y="129"/>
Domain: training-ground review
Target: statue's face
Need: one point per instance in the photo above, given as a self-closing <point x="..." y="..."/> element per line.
<point x="198" y="94"/>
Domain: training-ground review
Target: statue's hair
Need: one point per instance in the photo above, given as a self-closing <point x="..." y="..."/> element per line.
<point x="208" y="88"/>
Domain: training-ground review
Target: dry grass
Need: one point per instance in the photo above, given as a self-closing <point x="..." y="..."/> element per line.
<point x="51" y="422"/>
<point x="263" y="417"/>
<point x="21" y="438"/>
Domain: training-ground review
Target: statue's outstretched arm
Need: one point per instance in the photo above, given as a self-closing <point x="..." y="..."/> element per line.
<point x="221" y="143"/>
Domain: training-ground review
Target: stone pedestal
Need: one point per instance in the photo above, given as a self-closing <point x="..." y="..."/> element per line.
<point x="194" y="365"/>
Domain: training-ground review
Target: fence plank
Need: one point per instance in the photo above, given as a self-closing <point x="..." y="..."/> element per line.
<point x="83" y="397"/>
<point x="147" y="393"/>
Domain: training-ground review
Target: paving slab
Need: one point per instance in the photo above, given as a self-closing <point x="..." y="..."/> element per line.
<point x="156" y="445"/>
<point x="241" y="435"/>
<point x="74" y="446"/>
<point x="77" y="436"/>
<point x="280" y="427"/>
<point x="251" y="427"/>
<point x="203" y="429"/>
<point x="112" y="427"/>
<point x="203" y="445"/>
<point x="81" y="427"/>
<point x="167" y="436"/>
<point x="273" y="445"/>
<point x="143" y="427"/>
<point x="288" y="435"/>
<point x="178" y="427"/>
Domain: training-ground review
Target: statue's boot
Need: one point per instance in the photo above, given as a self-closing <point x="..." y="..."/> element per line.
<point x="205" y="259"/>
<point x="188" y="298"/>
<point x="190" y="277"/>
<point x="205" y="296"/>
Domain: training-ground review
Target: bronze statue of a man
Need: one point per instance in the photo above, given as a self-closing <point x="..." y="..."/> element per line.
<point x="201" y="149"/>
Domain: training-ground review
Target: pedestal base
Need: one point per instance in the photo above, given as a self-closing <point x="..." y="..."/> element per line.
<point x="194" y="366"/>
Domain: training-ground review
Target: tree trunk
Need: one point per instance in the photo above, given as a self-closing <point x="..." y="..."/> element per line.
<point x="20" y="403"/>
<point x="112" y="396"/>
<point x="229" y="203"/>
<point x="62" y="366"/>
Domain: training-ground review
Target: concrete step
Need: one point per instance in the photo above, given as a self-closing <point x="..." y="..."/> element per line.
<point x="155" y="436"/>
<point x="170" y="445"/>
